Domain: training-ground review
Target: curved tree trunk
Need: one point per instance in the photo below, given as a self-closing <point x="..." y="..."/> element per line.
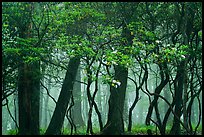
<point x="164" y="80"/>
<point x="145" y="76"/>
<point x="176" y="128"/>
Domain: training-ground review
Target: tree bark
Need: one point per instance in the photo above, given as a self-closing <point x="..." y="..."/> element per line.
<point x="28" y="86"/>
<point x="76" y="110"/>
<point x="154" y="104"/>
<point x="28" y="99"/>
<point x="145" y="76"/>
<point x="115" y="123"/>
<point x="57" y="119"/>
<point x="176" y="128"/>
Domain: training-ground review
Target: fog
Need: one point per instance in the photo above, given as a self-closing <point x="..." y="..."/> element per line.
<point x="52" y="86"/>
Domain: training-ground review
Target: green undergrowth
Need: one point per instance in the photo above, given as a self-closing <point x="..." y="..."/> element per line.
<point x="79" y="131"/>
<point x="141" y="130"/>
<point x="15" y="131"/>
<point x="12" y="132"/>
<point x="136" y="130"/>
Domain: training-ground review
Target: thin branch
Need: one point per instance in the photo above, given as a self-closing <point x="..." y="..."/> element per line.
<point x="11" y="114"/>
<point x="48" y="92"/>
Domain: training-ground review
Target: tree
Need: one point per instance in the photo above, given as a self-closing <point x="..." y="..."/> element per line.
<point x="28" y="86"/>
<point x="77" y="109"/>
<point x="26" y="48"/>
<point x="115" y="122"/>
<point x="57" y="119"/>
<point x="151" y="44"/>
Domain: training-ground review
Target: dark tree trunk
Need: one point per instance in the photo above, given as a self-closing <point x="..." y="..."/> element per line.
<point x="28" y="85"/>
<point x="176" y="128"/>
<point x="154" y="104"/>
<point x="28" y="99"/>
<point x="115" y="123"/>
<point x="145" y="76"/>
<point x="57" y="119"/>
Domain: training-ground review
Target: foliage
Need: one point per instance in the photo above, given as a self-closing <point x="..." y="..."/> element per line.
<point x="13" y="132"/>
<point x="136" y="130"/>
<point x="131" y="35"/>
<point x="142" y="129"/>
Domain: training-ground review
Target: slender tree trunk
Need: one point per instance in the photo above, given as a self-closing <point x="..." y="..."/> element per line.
<point x="85" y="104"/>
<point x="145" y="76"/>
<point x="154" y="104"/>
<point x="105" y="103"/>
<point x="176" y="128"/>
<point x="57" y="119"/>
<point x="76" y="109"/>
<point x="46" y="109"/>
<point x="125" y="113"/>
<point x="41" y="105"/>
<point x="185" y="99"/>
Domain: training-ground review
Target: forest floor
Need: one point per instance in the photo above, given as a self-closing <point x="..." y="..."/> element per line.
<point x="136" y="130"/>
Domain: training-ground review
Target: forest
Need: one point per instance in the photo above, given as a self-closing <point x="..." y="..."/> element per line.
<point x="101" y="68"/>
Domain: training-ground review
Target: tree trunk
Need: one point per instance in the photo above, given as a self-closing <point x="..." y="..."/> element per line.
<point x="28" y="87"/>
<point x="154" y="104"/>
<point x="145" y="76"/>
<point x="115" y="123"/>
<point x="57" y="119"/>
<point x="28" y="99"/>
<point x="176" y="128"/>
<point x="46" y="100"/>
<point x="76" y="109"/>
